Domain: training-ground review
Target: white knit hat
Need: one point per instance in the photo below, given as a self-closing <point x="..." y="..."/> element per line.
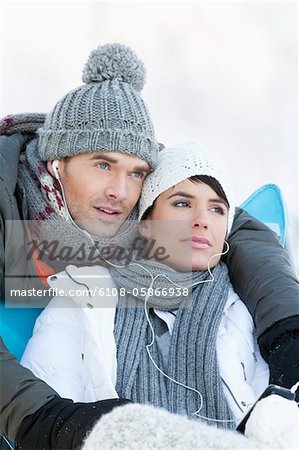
<point x="178" y="163"/>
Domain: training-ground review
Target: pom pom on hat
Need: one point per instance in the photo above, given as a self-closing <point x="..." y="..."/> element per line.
<point x="101" y="116"/>
<point x="114" y="62"/>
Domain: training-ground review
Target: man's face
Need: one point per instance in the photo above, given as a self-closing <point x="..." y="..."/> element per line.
<point x="101" y="188"/>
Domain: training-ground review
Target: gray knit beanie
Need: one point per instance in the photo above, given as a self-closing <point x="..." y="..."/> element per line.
<point x="107" y="113"/>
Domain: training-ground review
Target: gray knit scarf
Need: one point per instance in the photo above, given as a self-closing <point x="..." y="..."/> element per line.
<point x="51" y="222"/>
<point x="192" y="357"/>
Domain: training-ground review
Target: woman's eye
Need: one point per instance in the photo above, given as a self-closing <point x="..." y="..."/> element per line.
<point x="103" y="165"/>
<point x="181" y="204"/>
<point x="218" y="210"/>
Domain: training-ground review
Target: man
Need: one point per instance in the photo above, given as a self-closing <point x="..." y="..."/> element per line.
<point x="98" y="161"/>
<point x="80" y="175"/>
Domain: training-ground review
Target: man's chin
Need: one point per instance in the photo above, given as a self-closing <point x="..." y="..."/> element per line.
<point x="100" y="228"/>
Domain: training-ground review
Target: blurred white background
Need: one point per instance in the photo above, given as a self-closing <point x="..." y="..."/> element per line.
<point x="223" y="74"/>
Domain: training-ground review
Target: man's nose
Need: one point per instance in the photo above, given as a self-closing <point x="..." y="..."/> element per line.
<point x="117" y="187"/>
<point x="200" y="219"/>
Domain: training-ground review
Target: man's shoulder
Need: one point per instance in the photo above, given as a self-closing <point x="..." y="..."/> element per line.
<point x="15" y="131"/>
<point x="10" y="147"/>
<point x="27" y="123"/>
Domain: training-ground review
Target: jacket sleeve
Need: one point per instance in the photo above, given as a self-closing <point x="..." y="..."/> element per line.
<point x="54" y="351"/>
<point x="65" y="425"/>
<point x="261" y="273"/>
<point x="8" y="176"/>
<point x="21" y="393"/>
<point x="14" y="236"/>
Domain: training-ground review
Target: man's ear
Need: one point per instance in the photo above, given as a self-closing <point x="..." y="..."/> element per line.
<point x="145" y="228"/>
<point x="50" y="168"/>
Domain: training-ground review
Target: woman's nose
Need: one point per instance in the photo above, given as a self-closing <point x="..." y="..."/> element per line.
<point x="200" y="220"/>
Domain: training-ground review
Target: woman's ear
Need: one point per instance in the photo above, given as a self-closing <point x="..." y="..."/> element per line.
<point x="145" y="228"/>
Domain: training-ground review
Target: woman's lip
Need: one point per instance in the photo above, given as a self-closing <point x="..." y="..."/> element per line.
<point x="201" y="239"/>
<point x="198" y="242"/>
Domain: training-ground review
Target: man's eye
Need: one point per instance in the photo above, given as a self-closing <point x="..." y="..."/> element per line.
<point x="140" y="175"/>
<point x="103" y="165"/>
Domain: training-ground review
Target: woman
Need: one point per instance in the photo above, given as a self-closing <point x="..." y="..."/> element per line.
<point x="180" y="337"/>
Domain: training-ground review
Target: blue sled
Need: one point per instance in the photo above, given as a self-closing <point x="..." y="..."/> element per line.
<point x="16" y="327"/>
<point x="267" y="205"/>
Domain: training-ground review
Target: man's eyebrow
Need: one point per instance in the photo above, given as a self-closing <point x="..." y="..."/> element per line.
<point x="141" y="168"/>
<point x="104" y="157"/>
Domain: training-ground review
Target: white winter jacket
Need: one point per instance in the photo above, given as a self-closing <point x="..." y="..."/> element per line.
<point x="74" y="351"/>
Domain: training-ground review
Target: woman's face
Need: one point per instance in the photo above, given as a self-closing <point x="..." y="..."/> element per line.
<point x="190" y="221"/>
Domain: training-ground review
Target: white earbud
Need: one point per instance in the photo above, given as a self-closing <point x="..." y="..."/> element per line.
<point x="227" y="248"/>
<point x="55" y="164"/>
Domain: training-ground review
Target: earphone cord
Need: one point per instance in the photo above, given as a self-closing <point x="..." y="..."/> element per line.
<point x="196" y="413"/>
<point x="153" y="279"/>
<point x="137" y="264"/>
<point x="6" y="442"/>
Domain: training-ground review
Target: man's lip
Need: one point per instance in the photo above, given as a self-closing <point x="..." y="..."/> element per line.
<point x="108" y="209"/>
<point x="108" y="214"/>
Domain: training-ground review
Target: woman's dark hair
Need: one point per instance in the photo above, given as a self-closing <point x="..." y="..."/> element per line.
<point x="213" y="183"/>
<point x="210" y="181"/>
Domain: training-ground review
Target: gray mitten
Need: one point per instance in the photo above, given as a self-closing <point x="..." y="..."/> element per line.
<point x="274" y="422"/>
<point x="142" y="427"/>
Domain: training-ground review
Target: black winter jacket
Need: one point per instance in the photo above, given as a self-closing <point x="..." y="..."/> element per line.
<point x="260" y="272"/>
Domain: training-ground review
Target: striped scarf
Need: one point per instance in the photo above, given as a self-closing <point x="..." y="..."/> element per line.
<point x="49" y="218"/>
<point x="192" y="353"/>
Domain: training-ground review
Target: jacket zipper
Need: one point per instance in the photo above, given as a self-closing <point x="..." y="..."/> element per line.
<point x="234" y="398"/>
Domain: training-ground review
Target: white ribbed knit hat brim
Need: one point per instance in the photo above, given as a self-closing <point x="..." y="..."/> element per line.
<point x="178" y="163"/>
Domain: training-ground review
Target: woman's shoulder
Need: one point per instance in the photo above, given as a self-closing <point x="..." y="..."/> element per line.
<point x="235" y="303"/>
<point x="236" y="314"/>
<point x="86" y="286"/>
<point x="60" y="312"/>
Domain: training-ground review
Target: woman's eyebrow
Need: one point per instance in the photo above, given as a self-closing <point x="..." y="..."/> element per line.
<point x="186" y="195"/>
<point x="218" y="200"/>
<point x="181" y="194"/>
